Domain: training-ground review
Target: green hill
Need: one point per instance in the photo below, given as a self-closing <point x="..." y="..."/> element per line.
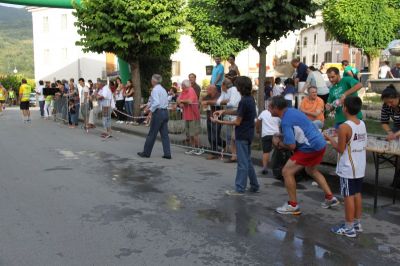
<point x="16" y="41"/>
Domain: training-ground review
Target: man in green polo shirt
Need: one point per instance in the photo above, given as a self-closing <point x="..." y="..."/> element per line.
<point x="341" y="88"/>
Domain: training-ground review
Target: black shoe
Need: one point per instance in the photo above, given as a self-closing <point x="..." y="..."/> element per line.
<point x="141" y="154"/>
<point x="264" y="172"/>
<point x="167" y="157"/>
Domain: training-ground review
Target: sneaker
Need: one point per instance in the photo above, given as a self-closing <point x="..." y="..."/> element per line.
<point x="358" y="227"/>
<point x="199" y="152"/>
<point x="288" y="209"/>
<point x="342" y="230"/>
<point x="233" y="193"/>
<point x="190" y="152"/>
<point x="330" y="203"/>
<point x="264" y="172"/>
<point x="253" y="190"/>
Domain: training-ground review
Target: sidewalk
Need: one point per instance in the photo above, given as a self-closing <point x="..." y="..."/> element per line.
<point x="328" y="168"/>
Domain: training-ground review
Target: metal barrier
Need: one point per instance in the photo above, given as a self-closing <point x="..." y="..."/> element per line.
<point x="211" y="138"/>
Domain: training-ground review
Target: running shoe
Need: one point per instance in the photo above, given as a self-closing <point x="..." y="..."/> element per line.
<point x="358" y="227"/>
<point x="190" y="152"/>
<point x="288" y="209"/>
<point x="330" y="203"/>
<point x="233" y="193"/>
<point x="199" y="152"/>
<point x="342" y="230"/>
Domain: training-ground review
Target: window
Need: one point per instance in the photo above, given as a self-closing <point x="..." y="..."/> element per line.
<point x="304" y="41"/>
<point x="315" y="38"/>
<point x="45" y="24"/>
<point x="328" y="56"/>
<point x="64" y="22"/>
<point x="46" y="56"/>
<point x="176" y="68"/>
<point x="315" y="59"/>
<point x="305" y="60"/>
<point x="298" y="48"/>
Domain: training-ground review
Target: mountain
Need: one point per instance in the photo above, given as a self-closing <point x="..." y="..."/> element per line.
<point x="16" y="41"/>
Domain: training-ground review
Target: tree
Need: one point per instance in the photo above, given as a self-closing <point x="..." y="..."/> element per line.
<point x="208" y="37"/>
<point x="367" y="24"/>
<point x="130" y="29"/>
<point x="259" y="22"/>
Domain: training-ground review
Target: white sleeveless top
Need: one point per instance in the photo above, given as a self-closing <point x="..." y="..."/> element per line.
<point x="352" y="162"/>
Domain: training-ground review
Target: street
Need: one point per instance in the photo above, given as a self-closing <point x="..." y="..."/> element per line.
<point x="69" y="198"/>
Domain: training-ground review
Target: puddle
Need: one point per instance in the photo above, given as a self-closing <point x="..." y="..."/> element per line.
<point x="58" y="168"/>
<point x="173" y="203"/>
<point x="68" y="155"/>
<point x="308" y="250"/>
<point x="214" y="216"/>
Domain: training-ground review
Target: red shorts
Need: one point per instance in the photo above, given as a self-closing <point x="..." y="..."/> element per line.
<point x="308" y="159"/>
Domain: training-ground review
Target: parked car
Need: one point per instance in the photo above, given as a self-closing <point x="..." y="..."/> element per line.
<point x="32" y="99"/>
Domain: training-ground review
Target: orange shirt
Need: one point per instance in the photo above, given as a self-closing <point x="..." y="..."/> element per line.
<point x="313" y="106"/>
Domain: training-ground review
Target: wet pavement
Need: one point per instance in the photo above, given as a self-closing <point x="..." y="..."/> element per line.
<point x="69" y="198"/>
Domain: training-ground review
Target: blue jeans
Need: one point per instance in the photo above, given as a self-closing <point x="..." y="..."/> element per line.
<point x="245" y="167"/>
<point x="41" y="105"/>
<point x="129" y="109"/>
<point x="159" y="123"/>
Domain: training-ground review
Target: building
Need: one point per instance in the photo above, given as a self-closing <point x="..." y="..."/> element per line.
<point x="55" y="54"/>
<point x="315" y="45"/>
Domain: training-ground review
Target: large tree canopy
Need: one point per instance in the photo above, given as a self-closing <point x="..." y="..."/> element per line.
<point x="367" y="24"/>
<point x="259" y="22"/>
<point x="130" y="29"/>
<point x="208" y="37"/>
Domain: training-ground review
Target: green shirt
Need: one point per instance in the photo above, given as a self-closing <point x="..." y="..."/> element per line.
<point x="350" y="68"/>
<point x="336" y="92"/>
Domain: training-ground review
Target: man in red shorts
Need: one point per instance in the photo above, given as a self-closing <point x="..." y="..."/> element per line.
<point x="308" y="144"/>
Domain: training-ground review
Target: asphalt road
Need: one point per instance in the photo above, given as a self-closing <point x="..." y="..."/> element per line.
<point x="69" y="198"/>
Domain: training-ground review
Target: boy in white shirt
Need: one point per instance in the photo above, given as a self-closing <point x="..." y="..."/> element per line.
<point x="269" y="127"/>
<point x="351" y="146"/>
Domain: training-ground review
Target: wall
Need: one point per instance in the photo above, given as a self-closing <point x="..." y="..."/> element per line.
<point x="55" y="53"/>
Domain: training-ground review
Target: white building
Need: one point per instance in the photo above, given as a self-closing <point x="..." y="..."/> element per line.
<point x="55" y="54"/>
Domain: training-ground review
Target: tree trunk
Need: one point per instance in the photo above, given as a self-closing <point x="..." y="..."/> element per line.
<point x="261" y="77"/>
<point x="373" y="66"/>
<point x="135" y="72"/>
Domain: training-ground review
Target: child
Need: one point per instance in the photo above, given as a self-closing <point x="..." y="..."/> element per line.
<point x="47" y="106"/>
<point x="351" y="146"/>
<point x="244" y="133"/>
<point x="289" y="91"/>
<point x="269" y="126"/>
<point x="72" y="113"/>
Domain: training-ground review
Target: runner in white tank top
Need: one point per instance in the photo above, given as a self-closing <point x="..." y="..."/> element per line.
<point x="352" y="162"/>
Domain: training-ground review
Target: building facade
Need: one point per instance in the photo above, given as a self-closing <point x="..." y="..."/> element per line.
<point x="55" y="54"/>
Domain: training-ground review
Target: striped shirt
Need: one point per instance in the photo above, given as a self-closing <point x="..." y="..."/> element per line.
<point x="388" y="112"/>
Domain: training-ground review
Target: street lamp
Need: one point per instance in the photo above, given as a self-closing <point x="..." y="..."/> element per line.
<point x="337" y="56"/>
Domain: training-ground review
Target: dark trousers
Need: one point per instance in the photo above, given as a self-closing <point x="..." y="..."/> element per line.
<point x="120" y="107"/>
<point x="214" y="135"/>
<point x="159" y="123"/>
<point x="41" y="105"/>
<point x="324" y="97"/>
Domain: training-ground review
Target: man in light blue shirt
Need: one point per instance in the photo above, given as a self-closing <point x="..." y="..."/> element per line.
<point x="158" y="104"/>
<point x="217" y="74"/>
